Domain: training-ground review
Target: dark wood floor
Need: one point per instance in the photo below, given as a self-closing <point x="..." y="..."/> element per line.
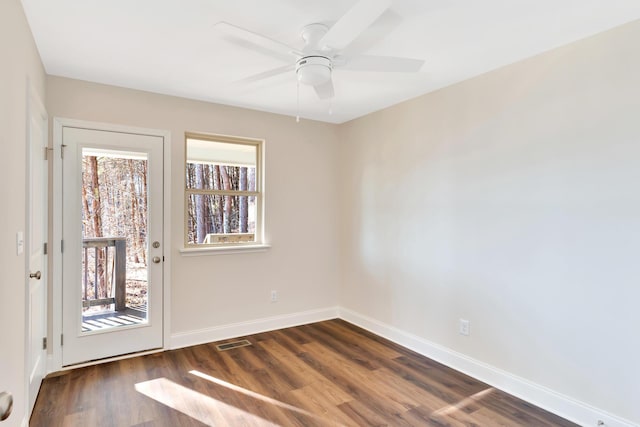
<point x="323" y="374"/>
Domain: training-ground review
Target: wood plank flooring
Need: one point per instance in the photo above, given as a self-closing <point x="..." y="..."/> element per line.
<point x="323" y="374"/>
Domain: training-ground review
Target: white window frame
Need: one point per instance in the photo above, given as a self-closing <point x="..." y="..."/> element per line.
<point x="228" y="247"/>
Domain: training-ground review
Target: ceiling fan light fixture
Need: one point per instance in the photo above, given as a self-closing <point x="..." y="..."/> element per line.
<point x="313" y="70"/>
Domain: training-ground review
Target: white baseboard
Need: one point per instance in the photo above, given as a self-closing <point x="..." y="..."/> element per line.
<point x="552" y="401"/>
<point x="223" y="332"/>
<point x="559" y="404"/>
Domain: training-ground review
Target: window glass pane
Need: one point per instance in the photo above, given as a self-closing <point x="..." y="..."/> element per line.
<point x="222" y="164"/>
<point x="213" y="219"/>
<point x="215" y="176"/>
<point x="224" y="153"/>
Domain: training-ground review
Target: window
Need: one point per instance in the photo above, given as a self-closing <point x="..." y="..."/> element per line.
<point x="223" y="193"/>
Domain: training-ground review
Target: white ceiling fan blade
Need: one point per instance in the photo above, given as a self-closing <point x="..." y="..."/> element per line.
<point x="325" y="90"/>
<point x="266" y="74"/>
<point x="256" y="39"/>
<point x="381" y="28"/>
<point x="353" y="23"/>
<point x="389" y="64"/>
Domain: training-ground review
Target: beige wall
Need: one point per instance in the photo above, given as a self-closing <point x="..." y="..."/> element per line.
<point x="301" y="214"/>
<point x="20" y="64"/>
<point x="511" y="200"/>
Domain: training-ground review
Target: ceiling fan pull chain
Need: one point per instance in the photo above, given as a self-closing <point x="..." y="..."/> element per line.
<point x="297" y="101"/>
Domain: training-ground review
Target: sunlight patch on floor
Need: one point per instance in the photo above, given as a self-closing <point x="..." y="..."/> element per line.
<point x="464" y="402"/>
<point x="253" y="394"/>
<point x="196" y="405"/>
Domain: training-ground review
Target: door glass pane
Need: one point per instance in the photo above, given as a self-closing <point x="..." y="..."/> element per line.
<point x="114" y="287"/>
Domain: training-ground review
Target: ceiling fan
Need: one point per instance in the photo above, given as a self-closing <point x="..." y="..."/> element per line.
<point x="324" y="49"/>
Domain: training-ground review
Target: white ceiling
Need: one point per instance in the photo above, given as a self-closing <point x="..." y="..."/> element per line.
<point x="172" y="46"/>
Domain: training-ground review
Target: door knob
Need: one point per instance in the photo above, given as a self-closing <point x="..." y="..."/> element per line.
<point x="37" y="275"/>
<point x="6" y="404"/>
<point x="156" y="259"/>
<point x="156" y="244"/>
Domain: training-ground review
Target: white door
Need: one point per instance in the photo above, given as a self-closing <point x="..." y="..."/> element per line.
<point x="36" y="234"/>
<point x="112" y="244"/>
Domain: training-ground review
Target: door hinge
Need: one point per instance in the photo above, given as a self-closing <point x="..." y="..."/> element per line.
<point x="44" y="343"/>
<point x="61" y="246"/>
<point x="45" y="248"/>
<point x="62" y="151"/>
<point x="46" y="152"/>
<point x="61" y="340"/>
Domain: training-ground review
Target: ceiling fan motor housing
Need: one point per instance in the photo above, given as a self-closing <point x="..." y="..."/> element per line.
<point x="313" y="70"/>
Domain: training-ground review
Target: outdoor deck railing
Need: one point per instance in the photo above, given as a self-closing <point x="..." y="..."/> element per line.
<point x="114" y="271"/>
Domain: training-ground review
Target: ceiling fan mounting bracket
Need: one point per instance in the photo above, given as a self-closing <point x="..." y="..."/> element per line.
<point x="313" y="33"/>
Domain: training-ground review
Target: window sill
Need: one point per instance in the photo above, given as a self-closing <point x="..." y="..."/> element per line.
<point x="224" y="250"/>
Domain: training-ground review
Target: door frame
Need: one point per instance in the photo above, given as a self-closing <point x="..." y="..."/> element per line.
<point x="57" y="245"/>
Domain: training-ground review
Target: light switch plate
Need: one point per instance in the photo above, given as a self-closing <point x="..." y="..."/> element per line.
<point x="19" y="242"/>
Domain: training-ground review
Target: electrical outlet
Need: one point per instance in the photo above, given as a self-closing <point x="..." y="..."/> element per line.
<point x="274" y="296"/>
<point x="464" y="327"/>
